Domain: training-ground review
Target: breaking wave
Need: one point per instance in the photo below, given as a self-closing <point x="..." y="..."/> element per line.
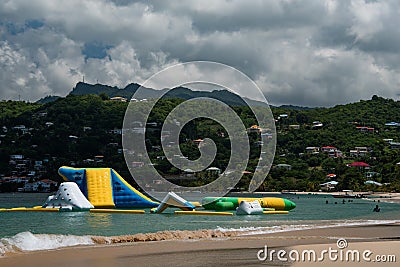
<point x="26" y="241"/>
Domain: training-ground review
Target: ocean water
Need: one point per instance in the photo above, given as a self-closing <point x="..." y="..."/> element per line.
<point x="26" y="231"/>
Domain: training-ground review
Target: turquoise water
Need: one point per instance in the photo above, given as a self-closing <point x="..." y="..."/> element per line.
<point x="311" y="212"/>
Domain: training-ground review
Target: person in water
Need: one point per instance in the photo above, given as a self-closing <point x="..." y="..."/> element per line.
<point x="376" y="209"/>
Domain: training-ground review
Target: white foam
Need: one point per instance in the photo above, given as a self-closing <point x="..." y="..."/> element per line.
<point x="26" y="241"/>
<point x="297" y="227"/>
<point x="2" y="249"/>
<point x="264" y="230"/>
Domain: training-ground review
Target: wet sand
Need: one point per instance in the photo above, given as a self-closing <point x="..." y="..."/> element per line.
<point x="226" y="251"/>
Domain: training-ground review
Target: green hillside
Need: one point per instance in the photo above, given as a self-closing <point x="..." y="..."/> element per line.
<point x="85" y="130"/>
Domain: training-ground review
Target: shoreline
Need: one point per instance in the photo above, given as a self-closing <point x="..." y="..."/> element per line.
<point x="225" y="250"/>
<point x="373" y="196"/>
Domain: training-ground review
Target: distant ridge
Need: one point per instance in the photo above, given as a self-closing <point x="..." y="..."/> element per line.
<point x="48" y="99"/>
<point x="295" y="107"/>
<point x="227" y="97"/>
<point x="179" y="92"/>
<point x="86" y="89"/>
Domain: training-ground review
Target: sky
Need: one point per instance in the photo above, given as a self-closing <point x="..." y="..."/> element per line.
<point x="306" y="53"/>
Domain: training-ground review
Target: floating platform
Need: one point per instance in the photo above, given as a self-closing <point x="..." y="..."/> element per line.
<point x="196" y="212"/>
<point x="117" y="211"/>
<point x="275" y="212"/>
<point x="35" y="209"/>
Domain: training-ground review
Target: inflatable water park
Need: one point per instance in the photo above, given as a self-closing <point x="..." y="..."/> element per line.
<point x="103" y="190"/>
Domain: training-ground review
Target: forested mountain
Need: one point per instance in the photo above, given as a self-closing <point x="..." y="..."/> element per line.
<point x="85" y="130"/>
<point x="147" y="93"/>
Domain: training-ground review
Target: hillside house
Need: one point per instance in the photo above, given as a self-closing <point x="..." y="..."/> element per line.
<point x="254" y="129"/>
<point x="15" y="179"/>
<point x="365" y="129"/>
<point x="214" y="170"/>
<point x="198" y="141"/>
<point x="359" y="151"/>
<point x="392" y="124"/>
<point x="317" y="125"/>
<point x="137" y="164"/>
<point x="283" y="116"/>
<point x="45" y="185"/>
<point x="284" y="166"/>
<point x="139" y="130"/>
<point x="394" y="145"/>
<point x="16" y="157"/>
<point x="99" y="158"/>
<point x="360" y="165"/>
<point x="119" y="99"/>
<point x="312" y="150"/>
<point x="331" y="151"/>
<point x="329" y="185"/>
<point x="115" y="131"/>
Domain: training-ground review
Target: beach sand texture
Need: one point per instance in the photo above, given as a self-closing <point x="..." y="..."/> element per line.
<point x="225" y="251"/>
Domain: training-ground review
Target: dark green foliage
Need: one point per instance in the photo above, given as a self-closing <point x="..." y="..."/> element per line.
<point x="79" y="127"/>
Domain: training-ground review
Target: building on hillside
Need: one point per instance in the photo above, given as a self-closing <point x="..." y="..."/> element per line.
<point x="214" y="170"/>
<point x="394" y="145"/>
<point x="372" y="174"/>
<point x="115" y="131"/>
<point x="137" y="164"/>
<point x="317" y="125"/>
<point x="331" y="151"/>
<point x="99" y="158"/>
<point x="328" y="186"/>
<point x="331" y="176"/>
<point x="312" y="150"/>
<point x="365" y="129"/>
<point x="359" y="151"/>
<point x="392" y="124"/>
<point x="284" y="166"/>
<point x="45" y="185"/>
<point x="360" y="165"/>
<point x="198" y="141"/>
<point x="283" y="116"/>
<point x="16" y="157"/>
<point x="118" y="99"/>
<point x="254" y="129"/>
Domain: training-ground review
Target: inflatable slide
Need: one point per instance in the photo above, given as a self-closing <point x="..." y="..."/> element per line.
<point x="105" y="188"/>
<point x="172" y="199"/>
<point x="68" y="198"/>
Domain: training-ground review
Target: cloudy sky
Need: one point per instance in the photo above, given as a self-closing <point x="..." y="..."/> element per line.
<point x="310" y="53"/>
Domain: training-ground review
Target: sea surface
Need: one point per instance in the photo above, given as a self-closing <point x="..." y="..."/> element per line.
<point x="28" y="231"/>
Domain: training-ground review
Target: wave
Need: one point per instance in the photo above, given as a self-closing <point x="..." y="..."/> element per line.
<point x="296" y="227"/>
<point x="27" y="241"/>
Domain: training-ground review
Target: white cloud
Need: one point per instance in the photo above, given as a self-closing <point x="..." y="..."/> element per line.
<point x="299" y="52"/>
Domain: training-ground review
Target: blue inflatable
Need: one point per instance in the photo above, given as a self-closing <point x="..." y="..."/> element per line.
<point x="105" y="188"/>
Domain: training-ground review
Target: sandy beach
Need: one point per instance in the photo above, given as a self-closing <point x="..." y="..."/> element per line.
<point x="227" y="251"/>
